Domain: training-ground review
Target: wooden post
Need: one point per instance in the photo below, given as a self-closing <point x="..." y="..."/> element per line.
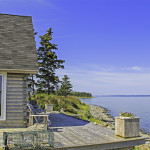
<point x="45" y="122"/>
<point x="5" y="141"/>
<point x="30" y="119"/>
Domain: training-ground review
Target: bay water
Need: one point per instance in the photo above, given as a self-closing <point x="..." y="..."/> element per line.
<point x="138" y="105"/>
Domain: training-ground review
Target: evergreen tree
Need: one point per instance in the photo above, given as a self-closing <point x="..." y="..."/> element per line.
<point x="66" y="86"/>
<point x="31" y="84"/>
<point x="48" y="63"/>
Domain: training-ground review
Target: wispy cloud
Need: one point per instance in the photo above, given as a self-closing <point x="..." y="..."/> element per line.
<point x="136" y="68"/>
<point x="109" y="81"/>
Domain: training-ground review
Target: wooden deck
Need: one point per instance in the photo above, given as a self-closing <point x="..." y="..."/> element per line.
<point x="78" y="134"/>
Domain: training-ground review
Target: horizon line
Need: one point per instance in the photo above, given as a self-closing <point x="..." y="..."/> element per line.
<point x="125" y="95"/>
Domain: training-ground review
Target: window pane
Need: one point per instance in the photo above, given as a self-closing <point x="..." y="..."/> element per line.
<point x="0" y="93"/>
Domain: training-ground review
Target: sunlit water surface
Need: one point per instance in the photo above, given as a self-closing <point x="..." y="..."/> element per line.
<point x="140" y="106"/>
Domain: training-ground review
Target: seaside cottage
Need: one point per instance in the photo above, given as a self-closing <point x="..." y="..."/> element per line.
<point x="18" y="59"/>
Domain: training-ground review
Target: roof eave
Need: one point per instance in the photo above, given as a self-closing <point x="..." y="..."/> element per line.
<point x="19" y="71"/>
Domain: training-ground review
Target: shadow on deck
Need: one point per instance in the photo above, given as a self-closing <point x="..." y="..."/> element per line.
<point x="77" y="134"/>
<point x="61" y="120"/>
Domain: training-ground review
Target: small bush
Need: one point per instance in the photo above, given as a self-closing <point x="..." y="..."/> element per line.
<point x="126" y="114"/>
<point x="70" y="109"/>
<point x="71" y="105"/>
<point x="74" y="105"/>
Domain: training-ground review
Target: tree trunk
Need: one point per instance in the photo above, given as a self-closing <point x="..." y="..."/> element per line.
<point x="33" y="83"/>
<point x="48" y="83"/>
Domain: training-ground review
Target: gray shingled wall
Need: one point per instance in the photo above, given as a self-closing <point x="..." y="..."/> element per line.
<point x="17" y="43"/>
<point x="16" y="108"/>
<point x="17" y="57"/>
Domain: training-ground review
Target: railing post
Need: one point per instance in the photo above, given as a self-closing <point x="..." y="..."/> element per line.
<point x="45" y="123"/>
<point x="5" y="141"/>
<point x="30" y="118"/>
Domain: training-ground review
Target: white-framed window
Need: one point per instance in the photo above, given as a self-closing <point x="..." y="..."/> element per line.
<point x="3" y="85"/>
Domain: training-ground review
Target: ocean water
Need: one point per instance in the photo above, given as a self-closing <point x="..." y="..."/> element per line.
<point x="138" y="105"/>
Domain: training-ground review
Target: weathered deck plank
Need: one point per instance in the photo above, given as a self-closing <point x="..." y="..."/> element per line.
<point x="79" y="134"/>
<point x="76" y="134"/>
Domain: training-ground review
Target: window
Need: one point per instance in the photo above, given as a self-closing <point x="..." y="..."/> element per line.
<point x="3" y="79"/>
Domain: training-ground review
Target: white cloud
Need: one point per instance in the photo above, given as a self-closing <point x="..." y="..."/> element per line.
<point x="101" y="82"/>
<point x="136" y="68"/>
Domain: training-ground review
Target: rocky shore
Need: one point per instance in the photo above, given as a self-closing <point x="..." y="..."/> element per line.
<point x="102" y="114"/>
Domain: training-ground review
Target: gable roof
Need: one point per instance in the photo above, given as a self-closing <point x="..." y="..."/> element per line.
<point x="17" y="44"/>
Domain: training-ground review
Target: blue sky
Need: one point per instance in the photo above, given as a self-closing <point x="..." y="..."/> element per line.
<point x="106" y="43"/>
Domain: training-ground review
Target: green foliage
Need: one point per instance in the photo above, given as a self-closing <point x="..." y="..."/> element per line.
<point x="81" y="94"/>
<point x="31" y="85"/>
<point x="66" y="86"/>
<point x="70" y="109"/>
<point x="70" y="104"/>
<point x="92" y="119"/>
<point x="142" y="147"/>
<point x="126" y="114"/>
<point x="67" y="103"/>
<point x="48" y="63"/>
<point x="74" y="105"/>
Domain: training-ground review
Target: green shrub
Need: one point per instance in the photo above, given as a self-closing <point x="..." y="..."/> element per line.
<point x="74" y="105"/>
<point x="126" y="114"/>
<point x="71" y="105"/>
<point x="70" y="109"/>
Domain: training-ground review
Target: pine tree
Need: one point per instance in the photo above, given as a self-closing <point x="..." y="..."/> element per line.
<point x="66" y="86"/>
<point x="31" y="82"/>
<point x="48" y="63"/>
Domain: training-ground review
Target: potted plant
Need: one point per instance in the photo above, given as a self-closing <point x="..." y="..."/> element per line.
<point x="127" y="125"/>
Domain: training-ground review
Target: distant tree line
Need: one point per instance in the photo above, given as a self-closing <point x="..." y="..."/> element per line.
<point x="81" y="94"/>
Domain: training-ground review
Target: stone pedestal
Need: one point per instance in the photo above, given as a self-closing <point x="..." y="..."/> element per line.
<point x="49" y="107"/>
<point x="127" y="126"/>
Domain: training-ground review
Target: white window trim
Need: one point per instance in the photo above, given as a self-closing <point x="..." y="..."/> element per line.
<point x="3" y="95"/>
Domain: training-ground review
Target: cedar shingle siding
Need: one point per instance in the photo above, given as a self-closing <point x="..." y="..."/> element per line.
<point x="17" y="44"/>
<point x="16" y="100"/>
<point x="18" y="59"/>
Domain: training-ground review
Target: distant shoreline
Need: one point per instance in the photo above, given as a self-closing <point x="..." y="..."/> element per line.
<point x="122" y="96"/>
<point x="85" y="97"/>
